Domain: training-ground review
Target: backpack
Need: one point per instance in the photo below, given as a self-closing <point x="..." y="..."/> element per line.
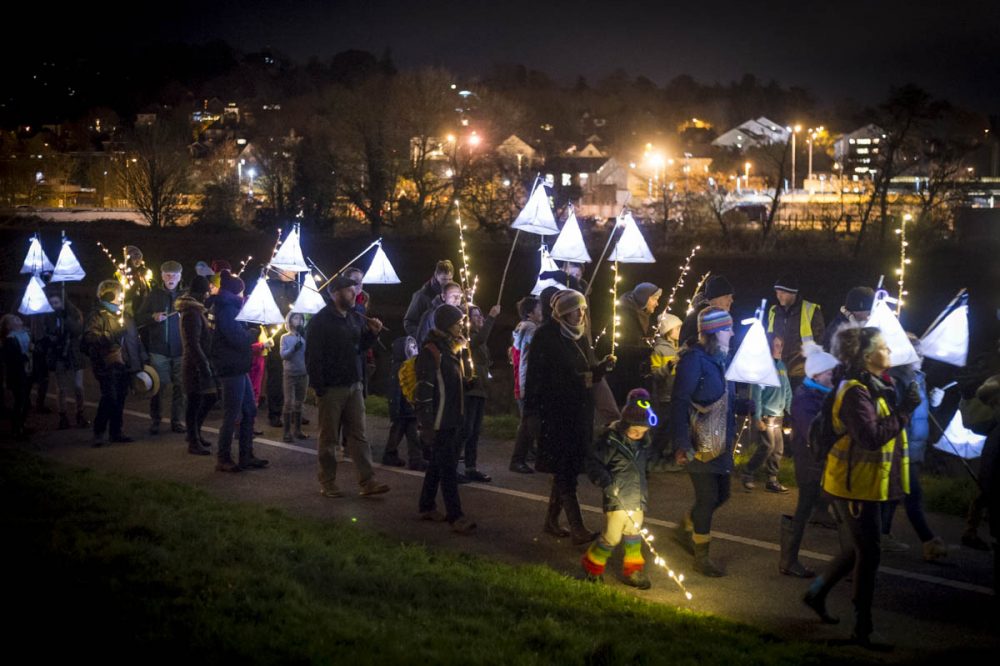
<point x="407" y="374"/>
<point x="822" y="437"/>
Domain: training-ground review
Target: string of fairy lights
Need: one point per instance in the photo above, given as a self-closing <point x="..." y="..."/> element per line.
<point x="904" y="261"/>
<point x="680" y="280"/>
<point x="615" y="320"/>
<point x="659" y="560"/>
<point x="701" y="282"/>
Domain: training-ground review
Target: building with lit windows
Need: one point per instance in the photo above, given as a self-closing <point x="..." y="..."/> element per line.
<point x="752" y="133"/>
<point x="857" y="151"/>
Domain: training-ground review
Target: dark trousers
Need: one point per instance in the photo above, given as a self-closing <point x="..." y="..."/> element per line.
<point x="198" y="406"/>
<point x="913" y="503"/>
<point x="527" y="435"/>
<point x="860" y="528"/>
<point x="406" y="427"/>
<point x="113" y="383"/>
<point x="710" y="492"/>
<point x="662" y="444"/>
<point x="274" y="386"/>
<point x="808" y="476"/>
<point x="238" y="403"/>
<point x="475" y="408"/>
<point x="21" y="392"/>
<point x="443" y="472"/>
<point x="770" y="447"/>
<point x="169" y="369"/>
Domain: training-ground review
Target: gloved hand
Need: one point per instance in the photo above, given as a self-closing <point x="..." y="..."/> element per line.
<point x="298" y="346"/>
<point x="911" y="400"/>
<point x="936" y="397"/>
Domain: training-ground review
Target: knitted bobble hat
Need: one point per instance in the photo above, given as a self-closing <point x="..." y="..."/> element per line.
<point x="637" y="408"/>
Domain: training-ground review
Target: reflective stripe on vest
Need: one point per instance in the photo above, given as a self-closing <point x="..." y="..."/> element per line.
<point x="805" y="320"/>
<point x="857" y="473"/>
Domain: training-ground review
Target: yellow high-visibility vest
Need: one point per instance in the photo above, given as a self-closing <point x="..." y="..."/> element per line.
<point x="805" y="320"/>
<point x="856" y="473"/>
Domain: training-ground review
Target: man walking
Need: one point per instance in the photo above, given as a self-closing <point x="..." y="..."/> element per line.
<point x="796" y="321"/>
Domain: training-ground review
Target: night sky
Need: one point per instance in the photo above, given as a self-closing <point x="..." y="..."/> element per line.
<point x="846" y="49"/>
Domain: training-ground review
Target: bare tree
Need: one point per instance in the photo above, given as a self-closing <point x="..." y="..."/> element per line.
<point x="154" y="172"/>
<point x="771" y="160"/>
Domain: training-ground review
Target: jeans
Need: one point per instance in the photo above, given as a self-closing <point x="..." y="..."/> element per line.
<point x="475" y="407"/>
<point x="405" y="427"/>
<point x="913" y="503"/>
<point x="710" y="492"/>
<point x="527" y="435"/>
<point x="342" y="407"/>
<point x="113" y="383"/>
<point x="169" y="370"/>
<point x="294" y="393"/>
<point x="443" y="472"/>
<point x="274" y="385"/>
<point x="237" y="404"/>
<point x="769" y="449"/>
<point x="198" y="406"/>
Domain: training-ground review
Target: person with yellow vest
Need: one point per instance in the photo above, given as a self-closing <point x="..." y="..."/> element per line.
<point x="796" y="321"/>
<point x="867" y="465"/>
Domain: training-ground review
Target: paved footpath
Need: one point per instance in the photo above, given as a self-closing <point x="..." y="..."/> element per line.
<point x="922" y="607"/>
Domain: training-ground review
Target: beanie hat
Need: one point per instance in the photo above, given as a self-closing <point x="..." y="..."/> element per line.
<point x="565" y="301"/>
<point x="713" y="319"/>
<point x="171" y="267"/>
<point x="637" y="411"/>
<point x="786" y="283"/>
<point x="859" y="299"/>
<point x="230" y="283"/>
<point x="341" y="282"/>
<point x="667" y="322"/>
<point x="203" y="269"/>
<point x="644" y="291"/>
<point x="546" y="298"/>
<point x="817" y="360"/>
<point x="446" y="316"/>
<point x="219" y="265"/>
<point x="133" y="252"/>
<point x="199" y="285"/>
<point x="716" y="286"/>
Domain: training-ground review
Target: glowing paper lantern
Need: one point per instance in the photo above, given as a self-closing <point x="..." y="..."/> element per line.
<point x="35" y="301"/>
<point x="260" y="308"/>
<point x="289" y="255"/>
<point x="68" y="268"/>
<point x="36" y="261"/>
<point x="570" y="246"/>
<point x="959" y="440"/>
<point x="310" y="301"/>
<point x="536" y="217"/>
<point x="541" y="284"/>
<point x="381" y="271"/>
<point x="901" y="352"/>
<point x="753" y="363"/>
<point x="631" y="247"/>
<point x="949" y="341"/>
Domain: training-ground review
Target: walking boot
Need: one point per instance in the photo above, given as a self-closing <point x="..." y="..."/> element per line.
<point x="865" y="635"/>
<point x="788" y="562"/>
<point x="195" y="448"/>
<point x="683" y="534"/>
<point x="552" y="525"/>
<point x="815" y="598"/>
<point x="286" y="435"/>
<point x="578" y="531"/>
<point x="702" y="563"/>
<point x="297" y="423"/>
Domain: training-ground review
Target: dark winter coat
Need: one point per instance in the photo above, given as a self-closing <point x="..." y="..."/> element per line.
<point x="230" y="350"/>
<point x="133" y="348"/>
<point x="103" y="335"/>
<point x="335" y="346"/>
<point x="15" y="364"/>
<point x="196" y="343"/>
<point x="632" y="369"/>
<point x="61" y="341"/>
<point x="420" y="302"/>
<point x="788" y="325"/>
<point x="440" y="400"/>
<point x="481" y="360"/>
<point x="427" y="320"/>
<point x="701" y="378"/>
<point x="619" y="464"/>
<point x="830" y="333"/>
<point x="806" y="404"/>
<point x="689" y="329"/>
<point x="165" y="336"/>
<point x="399" y="406"/>
<point x="561" y="377"/>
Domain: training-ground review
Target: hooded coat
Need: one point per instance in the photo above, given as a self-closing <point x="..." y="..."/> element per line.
<point x="196" y="342"/>
<point x="103" y="335"/>
<point x="440" y="399"/>
<point x="619" y="464"/>
<point x="420" y="302"/>
<point x="632" y="369"/>
<point x="231" y="341"/>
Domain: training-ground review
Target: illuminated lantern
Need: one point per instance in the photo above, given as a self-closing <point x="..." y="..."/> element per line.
<point x="536" y="217"/>
<point x="570" y="246"/>
<point x="901" y="352"/>
<point x="753" y="363"/>
<point x="289" y="255"/>
<point x="381" y="271"/>
<point x="948" y="342"/>
<point x="68" y="268"/>
<point x="310" y="301"/>
<point x="36" y="261"/>
<point x="35" y="301"/>
<point x="260" y="308"/>
<point x="959" y="440"/>
<point x="541" y="284"/>
<point x="631" y="247"/>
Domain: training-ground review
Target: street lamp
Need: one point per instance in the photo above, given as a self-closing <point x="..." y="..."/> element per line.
<point x="746" y="175"/>
<point x="251" y="172"/>
<point x="794" y="130"/>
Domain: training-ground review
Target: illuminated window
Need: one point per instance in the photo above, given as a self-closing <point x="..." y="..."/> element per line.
<point x="583" y="178"/>
<point x="567" y="180"/>
<point x="862" y="151"/>
<point x="863" y="142"/>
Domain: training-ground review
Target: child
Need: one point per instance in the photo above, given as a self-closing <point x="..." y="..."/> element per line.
<point x="618" y="465"/>
<point x="296" y="379"/>
<point x="404" y="421"/>
<point x="771" y="404"/>
<point x="663" y="363"/>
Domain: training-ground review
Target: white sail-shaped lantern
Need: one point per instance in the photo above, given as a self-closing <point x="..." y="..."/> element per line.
<point x="570" y="246"/>
<point x="901" y="351"/>
<point x="36" y="260"/>
<point x="35" y="301"/>
<point x="381" y="271"/>
<point x="753" y="363"/>
<point x="959" y="440"/>
<point x="289" y="255"/>
<point x="536" y="217"/>
<point x="310" y="301"/>
<point x="68" y="268"/>
<point x="260" y="308"/>
<point x="631" y="247"/>
<point x="541" y="284"/>
<point x="948" y="342"/>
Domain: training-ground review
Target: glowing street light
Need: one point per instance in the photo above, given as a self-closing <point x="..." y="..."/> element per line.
<point x="746" y="175"/>
<point x="794" y="130"/>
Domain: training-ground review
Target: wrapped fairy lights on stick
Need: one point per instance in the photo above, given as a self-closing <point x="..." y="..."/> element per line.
<point x="903" y="262"/>
<point x="680" y="280"/>
<point x="468" y="291"/>
<point x="615" y="320"/>
<point x="701" y="282"/>
<point x="243" y="265"/>
<point x="658" y="559"/>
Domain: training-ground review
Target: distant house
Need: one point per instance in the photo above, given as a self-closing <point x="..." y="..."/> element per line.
<point x="752" y="133"/>
<point x="857" y="150"/>
<point x="607" y="189"/>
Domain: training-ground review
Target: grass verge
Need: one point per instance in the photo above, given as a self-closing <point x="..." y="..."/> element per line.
<point x="130" y="569"/>
<point x="495" y="426"/>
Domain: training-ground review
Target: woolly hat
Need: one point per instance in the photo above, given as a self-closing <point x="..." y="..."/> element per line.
<point x="203" y="269"/>
<point x="667" y="322"/>
<point x="446" y="316"/>
<point x="636" y="414"/>
<point x="341" y="282"/>
<point x="133" y="252"/>
<point x="230" y="283"/>
<point x="644" y="291"/>
<point x="199" y="286"/>
<point x="219" y="265"/>
<point x="567" y="300"/>
<point x="546" y="298"/>
<point x="713" y="319"/>
<point x="786" y="283"/>
<point x="171" y="267"/>
<point x="717" y="285"/>
<point x="859" y="299"/>
<point x="109" y="286"/>
<point x="817" y="360"/>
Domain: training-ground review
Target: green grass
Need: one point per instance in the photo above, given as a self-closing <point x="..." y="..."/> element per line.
<point x="495" y="426"/>
<point x="161" y="572"/>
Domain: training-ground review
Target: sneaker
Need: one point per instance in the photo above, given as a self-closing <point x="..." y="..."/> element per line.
<point x="373" y="487"/>
<point x="393" y="460"/>
<point x="935" y="549"/>
<point x="227" y="466"/>
<point x="776" y="487"/>
<point x="463" y="526"/>
<point x="433" y="516"/>
<point x="521" y="468"/>
<point x="890" y="544"/>
<point x="747" y="482"/>
<point x="332" y="492"/>
<point x="178" y="428"/>
<point x="475" y="475"/>
<point x="638" y="579"/>
<point x="253" y="462"/>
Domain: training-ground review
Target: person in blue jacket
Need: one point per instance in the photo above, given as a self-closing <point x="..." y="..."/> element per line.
<point x="771" y="403"/>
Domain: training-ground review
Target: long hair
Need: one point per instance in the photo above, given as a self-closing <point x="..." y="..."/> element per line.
<point x="853" y="345"/>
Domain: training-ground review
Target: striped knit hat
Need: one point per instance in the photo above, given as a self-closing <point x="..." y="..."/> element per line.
<point x="713" y="319"/>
